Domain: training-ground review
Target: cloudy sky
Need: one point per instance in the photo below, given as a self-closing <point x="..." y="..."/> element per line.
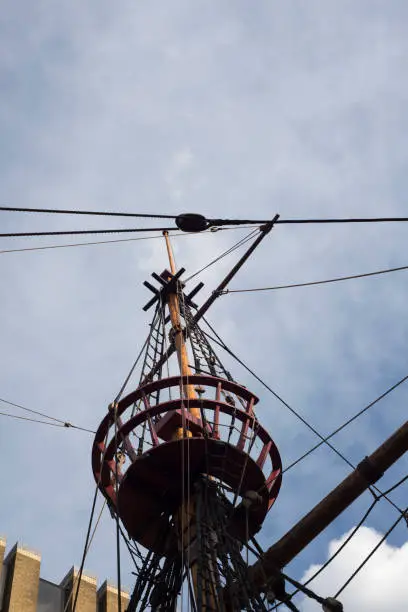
<point x="232" y="109"/>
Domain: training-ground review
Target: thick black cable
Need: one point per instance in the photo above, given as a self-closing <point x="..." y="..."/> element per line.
<point x="46" y="416"/>
<point x="221" y="343"/>
<point x="133" y="552"/>
<point x="77" y="244"/>
<point x="85" y="212"/>
<point x="301" y="587"/>
<point x="291" y="606"/>
<point x="365" y="561"/>
<point x="312" y="283"/>
<point x="82" y="232"/>
<point x="346" y="423"/>
<point x="308" y="221"/>
<point x="342" y="220"/>
<point x="211" y="222"/>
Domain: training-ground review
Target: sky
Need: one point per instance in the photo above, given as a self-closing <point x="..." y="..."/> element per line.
<point x="235" y="110"/>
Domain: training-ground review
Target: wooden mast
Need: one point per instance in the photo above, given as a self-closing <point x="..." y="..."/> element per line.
<point x="181" y="349"/>
<point x="186" y="515"/>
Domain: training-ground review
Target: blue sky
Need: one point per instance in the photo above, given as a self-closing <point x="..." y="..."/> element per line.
<point x="227" y="109"/>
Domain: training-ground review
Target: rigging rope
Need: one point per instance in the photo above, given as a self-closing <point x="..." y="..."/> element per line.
<point x="329" y="561"/>
<point x="82" y="232"/>
<point x="210" y="221"/>
<point x="376" y="547"/>
<point x="329" y="603"/>
<point x="132" y="369"/>
<point x="118" y="572"/>
<point x="221" y="343"/>
<point x="77" y="579"/>
<point x="356" y="528"/>
<point x="89" y="537"/>
<point x="85" y="212"/>
<point x="346" y="423"/>
<point x="342" y="220"/>
<point x="174" y="235"/>
<point x="58" y="422"/>
<point x="66" y="425"/>
<point x="224" y="254"/>
<point x="85" y="551"/>
<point x="307" y="221"/>
<point x="312" y="283"/>
<point x="276" y="395"/>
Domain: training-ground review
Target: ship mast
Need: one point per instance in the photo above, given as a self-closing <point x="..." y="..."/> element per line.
<point x="177" y="333"/>
<point x="197" y="472"/>
<point x="186" y="515"/>
<point x="191" y="474"/>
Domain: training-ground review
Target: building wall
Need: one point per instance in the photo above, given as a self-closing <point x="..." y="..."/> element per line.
<point x="50" y="597"/>
<point x="2" y="550"/>
<point x="22" y="578"/>
<point x="2" y="570"/>
<point x="86" y="601"/>
<point x="108" y="599"/>
<point x="25" y="591"/>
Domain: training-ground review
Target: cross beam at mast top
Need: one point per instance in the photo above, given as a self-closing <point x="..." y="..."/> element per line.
<point x="264" y="230"/>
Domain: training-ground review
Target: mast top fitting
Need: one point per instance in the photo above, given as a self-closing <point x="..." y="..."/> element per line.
<point x="192" y="222"/>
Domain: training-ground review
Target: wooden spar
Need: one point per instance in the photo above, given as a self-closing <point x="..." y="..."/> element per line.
<point x="308" y="528"/>
<point x="170" y="253"/>
<point x="182" y="356"/>
<point x="264" y="230"/>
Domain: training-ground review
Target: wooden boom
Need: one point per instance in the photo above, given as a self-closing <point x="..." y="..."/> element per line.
<point x="308" y="528"/>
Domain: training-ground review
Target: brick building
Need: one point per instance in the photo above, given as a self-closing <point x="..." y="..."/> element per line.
<point x="23" y="590"/>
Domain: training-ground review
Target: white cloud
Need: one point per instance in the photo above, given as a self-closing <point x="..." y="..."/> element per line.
<point x="381" y="586"/>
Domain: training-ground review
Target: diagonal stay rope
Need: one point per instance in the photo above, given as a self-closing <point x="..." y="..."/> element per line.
<point x="348" y="422"/>
<point x="56" y="423"/>
<point x="313" y="283"/>
<point x="222" y="344"/>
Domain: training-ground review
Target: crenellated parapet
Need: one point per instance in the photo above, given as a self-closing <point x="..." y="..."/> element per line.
<point x="23" y="590"/>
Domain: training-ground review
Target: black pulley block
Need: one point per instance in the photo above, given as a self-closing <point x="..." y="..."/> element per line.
<point x="191" y="222"/>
